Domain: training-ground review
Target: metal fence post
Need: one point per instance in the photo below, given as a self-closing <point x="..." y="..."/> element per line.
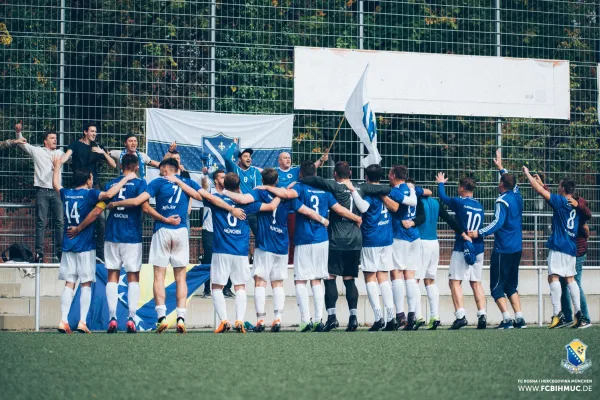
<point x="37" y="297"/>
<point x="539" y="269"/>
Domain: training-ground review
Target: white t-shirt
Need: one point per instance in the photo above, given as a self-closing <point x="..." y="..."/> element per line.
<point x="207" y="223"/>
<point x="42" y="162"/>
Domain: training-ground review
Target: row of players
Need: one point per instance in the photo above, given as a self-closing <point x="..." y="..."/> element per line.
<point x="372" y="222"/>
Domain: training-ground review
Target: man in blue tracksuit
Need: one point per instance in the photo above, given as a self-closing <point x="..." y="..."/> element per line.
<point x="508" y="245"/>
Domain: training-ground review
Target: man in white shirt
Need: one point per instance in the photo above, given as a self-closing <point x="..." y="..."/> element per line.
<point x="131" y="144"/>
<point x="45" y="196"/>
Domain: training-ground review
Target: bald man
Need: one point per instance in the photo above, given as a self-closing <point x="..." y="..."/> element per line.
<point x="287" y="176"/>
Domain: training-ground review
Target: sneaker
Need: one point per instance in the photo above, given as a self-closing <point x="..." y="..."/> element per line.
<point x="206" y="293"/>
<point x="228" y="293"/>
<point x="181" y="326"/>
<point x="585" y="323"/>
<point x="577" y="320"/>
<point x="276" y="325"/>
<point x="482" y="321"/>
<point x="506" y="324"/>
<point x="391" y="325"/>
<point x="352" y="324"/>
<point x="63" y="327"/>
<point x="377" y="326"/>
<point x="239" y="326"/>
<point x="82" y="328"/>
<point x="112" y="326"/>
<point x="410" y="322"/>
<point x="459" y="323"/>
<point x="558" y="319"/>
<point x="418" y="323"/>
<point x="401" y="319"/>
<point x="131" y="326"/>
<point x="433" y="324"/>
<point x="260" y="326"/>
<point x="318" y="327"/>
<point x="520" y="323"/>
<point x="331" y="324"/>
<point x="38" y="258"/>
<point x="305" y="326"/>
<point x="161" y="325"/>
<point x="224" y="326"/>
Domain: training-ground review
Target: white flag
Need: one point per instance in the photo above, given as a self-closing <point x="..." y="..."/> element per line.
<point x="361" y="118"/>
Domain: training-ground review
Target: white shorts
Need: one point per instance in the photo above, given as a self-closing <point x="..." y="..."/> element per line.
<point x="461" y="271"/>
<point x="561" y="264"/>
<point x="430" y="260"/>
<point x="310" y="261"/>
<point x="376" y="259"/>
<point x="270" y="266"/>
<point x="80" y="266"/>
<point x="170" y="246"/>
<point x="126" y="255"/>
<point x="226" y="266"/>
<point x="406" y="255"/>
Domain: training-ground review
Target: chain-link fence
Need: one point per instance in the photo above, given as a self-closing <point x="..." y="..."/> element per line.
<point x="66" y="62"/>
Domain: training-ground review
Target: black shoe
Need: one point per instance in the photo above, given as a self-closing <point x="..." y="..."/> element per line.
<point x="331" y="323"/>
<point x="206" y="293"/>
<point x="318" y="327"/>
<point x="565" y="322"/>
<point x="352" y="324"/>
<point x="459" y="323"/>
<point x="391" y="325"/>
<point x="228" y="293"/>
<point x="377" y="325"/>
<point x="275" y="327"/>
<point x="259" y="327"/>
<point x="585" y="323"/>
<point x="577" y="320"/>
<point x="39" y="258"/>
<point x="506" y="324"/>
<point x="520" y="323"/>
<point x="482" y="322"/>
<point x="401" y="319"/>
<point x="410" y="322"/>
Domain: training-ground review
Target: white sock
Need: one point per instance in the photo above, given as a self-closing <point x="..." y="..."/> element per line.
<point x="460" y="313"/>
<point x="481" y="312"/>
<point x="278" y="301"/>
<point x="259" y="302"/>
<point x="241" y="302"/>
<point x="331" y="311"/>
<point x="388" y="300"/>
<point x="319" y="300"/>
<point x="518" y="315"/>
<point x="112" y="298"/>
<point x="161" y="311"/>
<point x="506" y="315"/>
<point x="555" y="294"/>
<point x="399" y="290"/>
<point x="373" y="294"/>
<point x="133" y="297"/>
<point x="302" y="300"/>
<point x="433" y="294"/>
<point x="413" y="295"/>
<point x="180" y="312"/>
<point x="219" y="303"/>
<point x="84" y="302"/>
<point x="65" y="303"/>
<point x="575" y="296"/>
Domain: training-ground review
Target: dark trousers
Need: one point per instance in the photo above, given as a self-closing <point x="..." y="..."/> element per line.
<point x="48" y="200"/>
<point x="504" y="274"/>
<point x="291" y="223"/>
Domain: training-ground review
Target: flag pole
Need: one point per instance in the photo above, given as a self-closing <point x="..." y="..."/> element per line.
<point x="336" y="133"/>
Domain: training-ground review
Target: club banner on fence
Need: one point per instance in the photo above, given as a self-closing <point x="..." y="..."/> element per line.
<point x="98" y="317"/>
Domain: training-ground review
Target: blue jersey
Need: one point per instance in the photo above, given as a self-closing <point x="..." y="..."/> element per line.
<point x="232" y="236"/>
<point x="404" y="213"/>
<point x="124" y="224"/>
<point x="307" y="230"/>
<point x="272" y="226"/>
<point x="469" y="214"/>
<point x="376" y="227"/>
<point x="288" y="177"/>
<point x="249" y="178"/>
<point x="507" y="225"/>
<point x="77" y="204"/>
<point x="565" y="223"/>
<point x="170" y="200"/>
<point x="428" y="229"/>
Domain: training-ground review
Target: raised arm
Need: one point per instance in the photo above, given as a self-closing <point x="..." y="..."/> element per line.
<point x="67" y="156"/>
<point x="57" y="163"/>
<point x="107" y="157"/>
<point x="112" y="192"/>
<point x="312" y="214"/>
<point x="321" y="160"/>
<point x="537" y="186"/>
<point x="441" y="180"/>
<point x="239" y="197"/>
<point x="73" y="231"/>
<point x="230" y="165"/>
<point x="172" y="220"/>
<point x="344" y="212"/>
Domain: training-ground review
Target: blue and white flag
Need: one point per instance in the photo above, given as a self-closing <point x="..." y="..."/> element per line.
<point x="361" y="118"/>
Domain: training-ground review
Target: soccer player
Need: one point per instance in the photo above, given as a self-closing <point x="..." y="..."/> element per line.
<point x="78" y="259"/>
<point x="562" y="248"/>
<point x="507" y="229"/>
<point x="270" y="255"/>
<point x="469" y="214"/>
<point x="170" y="243"/>
<point x="312" y="244"/>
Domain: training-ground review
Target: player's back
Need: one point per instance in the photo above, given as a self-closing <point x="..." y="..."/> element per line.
<point x="509" y="238"/>
<point x="272" y="226"/>
<point x="232" y="235"/>
<point x="124" y="224"/>
<point x="376" y="227"/>
<point x="428" y="229"/>
<point x="77" y="204"/>
<point x="469" y="214"/>
<point x="565" y="223"/>
<point x="404" y="213"/>
<point x="307" y="230"/>
<point x="170" y="200"/>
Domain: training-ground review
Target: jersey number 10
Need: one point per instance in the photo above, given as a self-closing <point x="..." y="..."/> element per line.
<point x="473" y="222"/>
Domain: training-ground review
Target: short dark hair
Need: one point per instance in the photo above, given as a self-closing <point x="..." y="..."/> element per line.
<point x="169" y="162"/>
<point x="374" y="172"/>
<point x="342" y="169"/>
<point x="467" y="183"/>
<point x="217" y="172"/>
<point x="129" y="161"/>
<point x="48" y="133"/>
<point x="411" y="180"/>
<point x="508" y="181"/>
<point x="307" y="168"/>
<point x="269" y="176"/>
<point x="174" y="151"/>
<point x="87" y="126"/>
<point x="129" y="135"/>
<point x="568" y="185"/>
<point x="232" y="181"/>
<point x="80" y="177"/>
<point x="400" y="172"/>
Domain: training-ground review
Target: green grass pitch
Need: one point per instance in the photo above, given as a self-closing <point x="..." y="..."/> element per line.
<point x="442" y="364"/>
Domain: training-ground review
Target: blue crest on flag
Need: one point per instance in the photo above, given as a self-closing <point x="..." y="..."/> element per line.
<point x="369" y="121"/>
<point x="215" y="148"/>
